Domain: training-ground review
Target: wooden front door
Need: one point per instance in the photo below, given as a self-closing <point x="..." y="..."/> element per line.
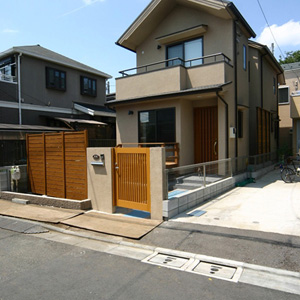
<point x="206" y="134"/>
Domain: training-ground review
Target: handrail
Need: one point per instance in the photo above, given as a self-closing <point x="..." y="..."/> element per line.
<point x="182" y="168"/>
<point x="181" y="63"/>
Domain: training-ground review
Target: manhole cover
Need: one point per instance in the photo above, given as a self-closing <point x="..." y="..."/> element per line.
<point x="215" y="270"/>
<point x="169" y="260"/>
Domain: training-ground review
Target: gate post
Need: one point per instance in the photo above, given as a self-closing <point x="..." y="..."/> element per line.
<point x="100" y="180"/>
<point x="157" y="181"/>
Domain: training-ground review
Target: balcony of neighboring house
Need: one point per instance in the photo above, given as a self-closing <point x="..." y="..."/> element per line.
<point x="7" y="72"/>
<point x="174" y="75"/>
<point x="8" y="78"/>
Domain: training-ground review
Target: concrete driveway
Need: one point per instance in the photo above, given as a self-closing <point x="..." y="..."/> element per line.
<point x="269" y="205"/>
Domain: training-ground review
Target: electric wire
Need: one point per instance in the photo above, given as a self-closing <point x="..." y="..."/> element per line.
<point x="283" y="56"/>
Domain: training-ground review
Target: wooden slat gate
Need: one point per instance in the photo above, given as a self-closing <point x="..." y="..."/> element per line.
<point x="132" y="178"/>
<point x="56" y="164"/>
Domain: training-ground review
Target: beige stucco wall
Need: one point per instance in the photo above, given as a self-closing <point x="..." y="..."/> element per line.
<point x="206" y="75"/>
<point x="100" y="180"/>
<point x="264" y="98"/>
<point x="169" y="80"/>
<point x="217" y="38"/>
<point x="127" y="125"/>
<point x="270" y="98"/>
<point x="288" y="128"/>
<point x="285" y="116"/>
<point x="295" y="107"/>
<point x="157" y="182"/>
<point x="166" y="80"/>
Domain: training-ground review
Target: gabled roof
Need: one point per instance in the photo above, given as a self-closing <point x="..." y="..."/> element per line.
<point x="270" y="57"/>
<point x="40" y="52"/>
<point x="157" y="10"/>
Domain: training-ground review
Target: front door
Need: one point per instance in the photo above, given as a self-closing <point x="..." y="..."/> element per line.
<point x="206" y="134"/>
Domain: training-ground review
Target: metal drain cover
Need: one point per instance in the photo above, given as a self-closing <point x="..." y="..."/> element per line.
<point x="169" y="260"/>
<point x="215" y="270"/>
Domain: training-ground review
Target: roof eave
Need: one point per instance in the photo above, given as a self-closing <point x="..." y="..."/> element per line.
<point x="18" y="50"/>
<point x="233" y="10"/>
<point x="210" y="89"/>
<point x="263" y="48"/>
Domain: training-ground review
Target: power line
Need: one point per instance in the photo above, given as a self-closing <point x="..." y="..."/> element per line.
<point x="283" y="56"/>
<point x="270" y="28"/>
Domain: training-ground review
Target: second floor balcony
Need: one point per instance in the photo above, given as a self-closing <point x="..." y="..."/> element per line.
<point x="8" y="78"/>
<point x="173" y="75"/>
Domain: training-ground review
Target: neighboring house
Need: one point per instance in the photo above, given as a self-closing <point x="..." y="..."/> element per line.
<point x="41" y="90"/>
<point x="286" y="127"/>
<point x="199" y="82"/>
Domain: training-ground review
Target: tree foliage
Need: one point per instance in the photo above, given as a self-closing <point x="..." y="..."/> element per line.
<point x="290" y="57"/>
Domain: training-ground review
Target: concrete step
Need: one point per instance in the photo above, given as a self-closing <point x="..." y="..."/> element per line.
<point x="188" y="186"/>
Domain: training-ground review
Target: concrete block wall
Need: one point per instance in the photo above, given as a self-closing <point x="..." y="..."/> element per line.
<point x="48" y="201"/>
<point x="190" y="199"/>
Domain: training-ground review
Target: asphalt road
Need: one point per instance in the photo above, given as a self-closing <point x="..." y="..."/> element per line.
<point x="36" y="268"/>
<point x="255" y="247"/>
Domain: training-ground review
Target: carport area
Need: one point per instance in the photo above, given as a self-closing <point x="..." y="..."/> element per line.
<point x="268" y="205"/>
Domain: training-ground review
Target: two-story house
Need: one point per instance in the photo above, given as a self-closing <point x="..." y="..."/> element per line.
<point x="289" y="109"/>
<point x="41" y="90"/>
<point x="198" y="82"/>
<point x="287" y="130"/>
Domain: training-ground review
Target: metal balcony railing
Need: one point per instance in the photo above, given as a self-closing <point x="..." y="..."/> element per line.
<point x="203" y="60"/>
<point x="8" y="78"/>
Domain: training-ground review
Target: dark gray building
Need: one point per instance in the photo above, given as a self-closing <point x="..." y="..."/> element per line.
<point x="41" y="90"/>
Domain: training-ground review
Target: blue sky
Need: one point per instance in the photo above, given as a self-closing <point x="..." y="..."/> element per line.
<point x="86" y="30"/>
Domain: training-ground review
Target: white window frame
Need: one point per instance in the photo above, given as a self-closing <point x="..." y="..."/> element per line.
<point x="284" y="87"/>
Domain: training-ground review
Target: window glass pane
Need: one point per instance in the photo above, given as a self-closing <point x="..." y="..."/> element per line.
<point x="55" y="79"/>
<point x="157" y="126"/>
<point x="88" y="86"/>
<point x="192" y="50"/>
<point x="244" y="57"/>
<point x="147" y="128"/>
<point x="174" y="52"/>
<point x="166" y="125"/>
<point x="283" y="95"/>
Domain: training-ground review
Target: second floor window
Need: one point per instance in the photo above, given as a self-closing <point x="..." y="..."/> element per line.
<point x="55" y="79"/>
<point x="283" y="95"/>
<point x="244" y="57"/>
<point x="88" y="86"/>
<point x="187" y="51"/>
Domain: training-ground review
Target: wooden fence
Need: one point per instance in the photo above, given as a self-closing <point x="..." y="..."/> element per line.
<point x="57" y="165"/>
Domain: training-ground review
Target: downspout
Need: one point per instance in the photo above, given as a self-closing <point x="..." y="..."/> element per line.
<point x="235" y="87"/>
<point x="19" y="88"/>
<point x="226" y="123"/>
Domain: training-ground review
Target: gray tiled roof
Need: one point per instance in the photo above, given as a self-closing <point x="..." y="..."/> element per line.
<point x="46" y="54"/>
<point x="291" y="66"/>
